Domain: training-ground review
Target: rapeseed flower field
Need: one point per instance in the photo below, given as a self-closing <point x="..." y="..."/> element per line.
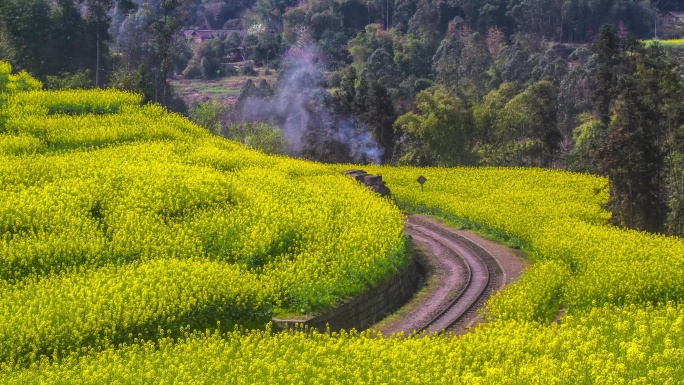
<point x="135" y="247"/>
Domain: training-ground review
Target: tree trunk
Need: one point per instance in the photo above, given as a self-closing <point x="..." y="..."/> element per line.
<point x="368" y="11"/>
<point x="166" y="53"/>
<point x="97" y="59"/>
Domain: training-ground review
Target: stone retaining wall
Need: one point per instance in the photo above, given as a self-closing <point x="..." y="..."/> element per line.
<point x="368" y="308"/>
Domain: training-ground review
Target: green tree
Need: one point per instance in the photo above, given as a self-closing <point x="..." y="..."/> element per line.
<point x="367" y="42"/>
<point x="661" y="90"/>
<point x="608" y="60"/>
<point x="248" y="90"/>
<point x="411" y="55"/>
<point x="574" y="92"/>
<point x="204" y="63"/>
<point x="77" y="80"/>
<point x="638" y="98"/>
<point x="6" y="51"/>
<point x="27" y="27"/>
<point x="99" y="12"/>
<point x="345" y="95"/>
<point x="488" y="113"/>
<point x="526" y="131"/>
<point x="473" y="67"/>
<point x="675" y="180"/>
<point x="380" y="67"/>
<point x="69" y="45"/>
<point x="294" y="20"/>
<point x="360" y="105"/>
<point x="633" y="162"/>
<point x="262" y="136"/>
<point x="165" y="22"/>
<point x="265" y="90"/>
<point x="138" y="80"/>
<point x="209" y="115"/>
<point x="439" y="132"/>
<point x="446" y="59"/>
<point x="380" y="116"/>
<point x="589" y="137"/>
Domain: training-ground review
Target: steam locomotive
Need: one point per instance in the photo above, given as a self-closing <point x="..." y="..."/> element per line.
<point x="374" y="182"/>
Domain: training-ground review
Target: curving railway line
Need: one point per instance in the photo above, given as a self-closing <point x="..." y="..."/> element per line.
<point x="469" y="270"/>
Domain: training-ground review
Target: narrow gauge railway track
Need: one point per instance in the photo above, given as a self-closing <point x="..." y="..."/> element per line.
<point x="481" y="276"/>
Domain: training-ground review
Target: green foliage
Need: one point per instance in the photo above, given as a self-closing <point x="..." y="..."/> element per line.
<point x="589" y="137"/>
<point x="606" y="48"/>
<point x="139" y="80"/>
<point x="344" y="97"/>
<point x="209" y="115"/>
<point x="261" y="44"/>
<point x="247" y="69"/>
<point x="638" y="98"/>
<point x="411" y="56"/>
<point x="165" y="21"/>
<point x="248" y="90"/>
<point x="78" y="80"/>
<point x="294" y="23"/>
<point x="488" y="113"/>
<point x="26" y="24"/>
<point x="381" y="68"/>
<point x="258" y="135"/>
<point x="440" y="132"/>
<point x="367" y="42"/>
<point x="633" y="161"/>
<point x="6" y="51"/>
<point x="204" y="63"/>
<point x="525" y="130"/>
<point x="370" y="106"/>
<point x="333" y="44"/>
<point x="675" y="180"/>
<point x="446" y="60"/>
<point x="475" y="60"/>
<point x="379" y="115"/>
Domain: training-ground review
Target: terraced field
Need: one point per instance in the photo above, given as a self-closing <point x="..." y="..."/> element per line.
<point x="137" y="248"/>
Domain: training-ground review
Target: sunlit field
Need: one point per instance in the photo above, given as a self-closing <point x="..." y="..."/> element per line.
<point x="136" y="247"/>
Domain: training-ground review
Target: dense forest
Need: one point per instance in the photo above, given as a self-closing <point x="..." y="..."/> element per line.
<point x="571" y="84"/>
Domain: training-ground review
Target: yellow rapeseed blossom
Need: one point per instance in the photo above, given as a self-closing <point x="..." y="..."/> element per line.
<point x="133" y="241"/>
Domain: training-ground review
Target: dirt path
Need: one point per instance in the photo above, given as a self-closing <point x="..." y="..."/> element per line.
<point x="465" y="269"/>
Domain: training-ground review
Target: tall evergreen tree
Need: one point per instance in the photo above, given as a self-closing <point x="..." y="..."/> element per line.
<point x="636" y="99"/>
<point x="27" y="25"/>
<point x="344" y="97"/>
<point x="446" y="59"/>
<point x="69" y="46"/>
<point x="99" y="12"/>
<point x="361" y="98"/>
<point x="607" y="51"/>
<point x="380" y="117"/>
<point x="165" y="23"/>
<point x="633" y="163"/>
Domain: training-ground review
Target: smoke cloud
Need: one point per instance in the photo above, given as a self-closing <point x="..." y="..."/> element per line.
<point x="300" y="107"/>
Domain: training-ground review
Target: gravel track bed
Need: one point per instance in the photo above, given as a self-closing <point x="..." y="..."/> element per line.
<point x="468" y="269"/>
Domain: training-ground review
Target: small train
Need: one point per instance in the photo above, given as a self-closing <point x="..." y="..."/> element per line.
<point x="374" y="182"/>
